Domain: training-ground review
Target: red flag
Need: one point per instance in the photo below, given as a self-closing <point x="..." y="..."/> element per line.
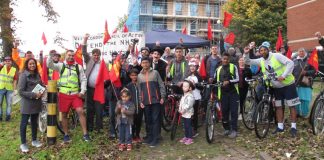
<point x="136" y="51"/>
<point x="115" y="31"/>
<point x="78" y="56"/>
<point x="279" y="42"/>
<point x="184" y="30"/>
<point x="209" y="33"/>
<point x="44" y="38"/>
<point x="227" y="19"/>
<point x="125" y="30"/>
<point x="230" y="38"/>
<point x="114" y="73"/>
<point x="313" y="59"/>
<point x="44" y="72"/>
<point x="202" y="69"/>
<point x="289" y="53"/>
<point x="106" y="34"/>
<point x="103" y="75"/>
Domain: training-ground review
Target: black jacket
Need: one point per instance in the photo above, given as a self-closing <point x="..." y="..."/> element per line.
<point x="300" y="64"/>
<point x="161" y="68"/>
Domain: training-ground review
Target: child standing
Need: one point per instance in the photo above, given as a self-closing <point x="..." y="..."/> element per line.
<point x="186" y="109"/>
<point x="194" y="78"/>
<point x="138" y="115"/>
<point x="124" y="118"/>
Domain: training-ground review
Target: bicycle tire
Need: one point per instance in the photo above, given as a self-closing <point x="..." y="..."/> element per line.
<point x="42" y="119"/>
<point x="248" y="112"/>
<point x="167" y="115"/>
<point x="73" y="120"/>
<point x="262" y="118"/>
<point x="201" y="114"/>
<point x="210" y="123"/>
<point x="174" y="126"/>
<point x="313" y="106"/>
<point x="318" y="117"/>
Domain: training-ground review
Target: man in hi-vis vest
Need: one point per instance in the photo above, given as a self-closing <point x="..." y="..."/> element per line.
<point x="8" y="83"/>
<point x="285" y="92"/>
<point x="72" y="86"/>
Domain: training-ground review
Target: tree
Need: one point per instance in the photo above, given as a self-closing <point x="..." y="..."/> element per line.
<point x="7" y="19"/>
<point x="257" y="20"/>
<point x="121" y="21"/>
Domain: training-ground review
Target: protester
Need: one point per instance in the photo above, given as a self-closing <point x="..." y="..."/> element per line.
<point x="303" y="73"/>
<point x="124" y="117"/>
<point x="284" y="86"/>
<point x="8" y="82"/>
<point x="244" y="72"/>
<point x="72" y="87"/>
<point x="320" y="52"/>
<point x="158" y="64"/>
<point x="178" y="66"/>
<point x="31" y="103"/>
<point x="138" y="115"/>
<point x="186" y="110"/>
<point x="195" y="78"/>
<point x="94" y="108"/>
<point x="54" y="75"/>
<point x="168" y="56"/>
<point x="227" y="73"/>
<point x="212" y="63"/>
<point x="152" y="95"/>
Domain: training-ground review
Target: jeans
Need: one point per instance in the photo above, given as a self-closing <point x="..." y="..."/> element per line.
<point x="230" y="102"/>
<point x="187" y="127"/>
<point x="112" y="114"/>
<point x="8" y="94"/>
<point x="94" y="109"/>
<point x="125" y="135"/>
<point x="23" y="126"/>
<point x="152" y="112"/>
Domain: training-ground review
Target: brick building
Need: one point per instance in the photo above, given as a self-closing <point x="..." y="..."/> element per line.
<point x="304" y="18"/>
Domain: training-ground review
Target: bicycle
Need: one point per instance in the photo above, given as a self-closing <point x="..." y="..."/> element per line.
<point x="317" y="113"/>
<point x="265" y="111"/>
<point x="250" y="103"/>
<point x="213" y="111"/>
<point x="170" y="106"/>
<point x="176" y="120"/>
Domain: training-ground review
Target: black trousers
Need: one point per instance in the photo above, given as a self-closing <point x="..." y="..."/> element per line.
<point x="195" y="116"/>
<point x="138" y="118"/>
<point x="152" y="112"/>
<point x="243" y="92"/>
<point x="94" y="110"/>
<point x="23" y="126"/>
<point x="229" y="103"/>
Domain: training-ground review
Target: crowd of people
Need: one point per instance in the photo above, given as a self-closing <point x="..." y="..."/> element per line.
<point x="141" y="91"/>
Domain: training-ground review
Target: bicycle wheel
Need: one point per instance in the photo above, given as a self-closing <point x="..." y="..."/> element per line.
<point x="174" y="126"/>
<point x="73" y="120"/>
<point x="210" y="122"/>
<point x="201" y="114"/>
<point x="262" y="119"/>
<point x="318" y="117"/>
<point x="42" y="119"/>
<point x="168" y="115"/>
<point x="248" y="112"/>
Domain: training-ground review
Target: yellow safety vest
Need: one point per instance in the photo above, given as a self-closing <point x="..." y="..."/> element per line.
<point x="69" y="83"/>
<point x="218" y="77"/>
<point x="173" y="68"/>
<point x="6" y="79"/>
<point x="279" y="69"/>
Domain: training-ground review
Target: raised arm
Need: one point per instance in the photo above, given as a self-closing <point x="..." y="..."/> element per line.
<point x="247" y="59"/>
<point x="84" y="48"/>
<point x="83" y="80"/>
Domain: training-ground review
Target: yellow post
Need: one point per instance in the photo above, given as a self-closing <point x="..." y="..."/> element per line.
<point x="51" y="112"/>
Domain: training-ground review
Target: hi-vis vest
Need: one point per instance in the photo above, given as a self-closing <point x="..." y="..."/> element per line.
<point x="173" y="69"/>
<point x="218" y="78"/>
<point x="6" y="79"/>
<point x="69" y="82"/>
<point x="279" y="69"/>
<point x="50" y="73"/>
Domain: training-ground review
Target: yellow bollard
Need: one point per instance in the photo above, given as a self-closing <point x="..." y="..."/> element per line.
<point x="51" y="112"/>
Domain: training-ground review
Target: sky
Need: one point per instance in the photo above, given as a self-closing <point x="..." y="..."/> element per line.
<point x="77" y="17"/>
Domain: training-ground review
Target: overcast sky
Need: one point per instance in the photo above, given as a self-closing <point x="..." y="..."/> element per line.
<point x="77" y="17"/>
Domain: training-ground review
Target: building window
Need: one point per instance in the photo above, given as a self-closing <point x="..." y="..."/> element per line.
<point x="193" y="9"/>
<point x="159" y="8"/>
<point x="193" y="28"/>
<point x="207" y="10"/>
<point x="158" y="25"/>
<point x="217" y="10"/>
<point x="178" y="8"/>
<point x="179" y="25"/>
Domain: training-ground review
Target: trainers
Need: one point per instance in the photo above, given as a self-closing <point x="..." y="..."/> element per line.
<point x="226" y="132"/>
<point x="121" y="147"/>
<point x="278" y="130"/>
<point x="183" y="140"/>
<point x="233" y="134"/>
<point x="86" y="138"/>
<point x="112" y="136"/>
<point x="66" y="139"/>
<point x="153" y="144"/>
<point x="147" y="141"/>
<point x="129" y="147"/>
<point x="36" y="144"/>
<point x="293" y="132"/>
<point x="195" y="135"/>
<point x="188" y="141"/>
<point x="24" y="148"/>
<point x="8" y="117"/>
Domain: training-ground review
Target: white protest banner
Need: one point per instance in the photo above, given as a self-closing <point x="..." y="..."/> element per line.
<point x="119" y="42"/>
